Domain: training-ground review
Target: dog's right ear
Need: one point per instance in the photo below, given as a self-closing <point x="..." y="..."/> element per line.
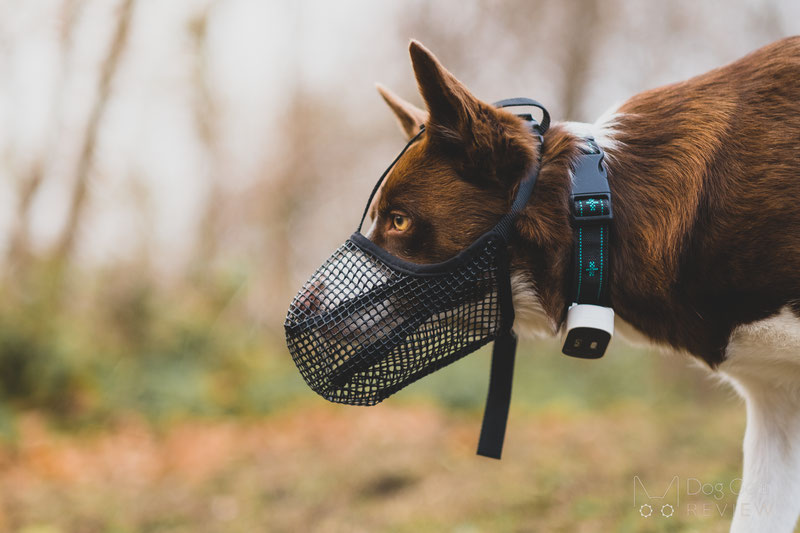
<point x="453" y="109"/>
<point x="410" y="117"/>
<point x="485" y="144"/>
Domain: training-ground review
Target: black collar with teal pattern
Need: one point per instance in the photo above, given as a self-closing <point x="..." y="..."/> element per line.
<point x="591" y="219"/>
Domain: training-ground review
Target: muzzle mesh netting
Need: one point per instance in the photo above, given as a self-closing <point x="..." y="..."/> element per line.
<point x="362" y="328"/>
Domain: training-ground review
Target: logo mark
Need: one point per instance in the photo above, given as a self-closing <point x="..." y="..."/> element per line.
<point x="664" y="502"/>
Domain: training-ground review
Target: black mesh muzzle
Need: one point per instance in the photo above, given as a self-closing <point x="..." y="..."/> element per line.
<point x="367" y="324"/>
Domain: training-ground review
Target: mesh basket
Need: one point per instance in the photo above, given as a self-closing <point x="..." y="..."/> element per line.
<point x="367" y="324"/>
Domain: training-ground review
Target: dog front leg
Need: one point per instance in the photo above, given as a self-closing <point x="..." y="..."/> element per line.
<point x="769" y="499"/>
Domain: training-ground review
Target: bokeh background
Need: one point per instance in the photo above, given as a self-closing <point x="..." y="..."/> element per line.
<point x="171" y="172"/>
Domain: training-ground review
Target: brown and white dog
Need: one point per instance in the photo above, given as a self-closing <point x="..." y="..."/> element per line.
<point x="705" y="176"/>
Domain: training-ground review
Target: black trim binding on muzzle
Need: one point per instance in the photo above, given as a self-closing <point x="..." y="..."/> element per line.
<point x="369" y="323"/>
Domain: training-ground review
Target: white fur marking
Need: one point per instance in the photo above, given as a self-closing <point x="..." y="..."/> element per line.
<point x="603" y="130"/>
<point x="633" y="336"/>
<point x="371" y="229"/>
<point x="763" y="365"/>
<point x="767" y="350"/>
<point x="530" y="320"/>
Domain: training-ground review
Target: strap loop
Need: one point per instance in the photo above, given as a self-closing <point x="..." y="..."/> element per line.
<point x="527" y="102"/>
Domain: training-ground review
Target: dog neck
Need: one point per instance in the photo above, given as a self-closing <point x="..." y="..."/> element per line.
<point x="656" y="176"/>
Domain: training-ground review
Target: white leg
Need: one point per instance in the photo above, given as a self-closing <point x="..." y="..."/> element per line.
<point x="769" y="499"/>
<point x="763" y="364"/>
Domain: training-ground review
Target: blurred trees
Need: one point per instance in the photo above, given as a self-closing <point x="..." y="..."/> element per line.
<point x="28" y="184"/>
<point x="78" y="195"/>
<point x="206" y="114"/>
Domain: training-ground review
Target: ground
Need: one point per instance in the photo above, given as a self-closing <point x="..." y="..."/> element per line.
<point x="407" y="465"/>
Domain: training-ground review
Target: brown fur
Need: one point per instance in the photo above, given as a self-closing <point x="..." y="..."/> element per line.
<point x="706" y="182"/>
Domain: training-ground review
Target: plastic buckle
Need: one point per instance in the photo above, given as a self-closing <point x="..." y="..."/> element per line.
<point x="590" y="182"/>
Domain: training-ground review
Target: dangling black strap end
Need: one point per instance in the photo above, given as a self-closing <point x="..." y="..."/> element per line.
<point x="495" y="416"/>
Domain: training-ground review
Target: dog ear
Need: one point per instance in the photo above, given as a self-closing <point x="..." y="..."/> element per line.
<point x="485" y="143"/>
<point x="450" y="104"/>
<point x="409" y="116"/>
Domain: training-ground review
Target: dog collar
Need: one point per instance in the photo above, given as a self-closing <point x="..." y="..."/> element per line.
<point x="590" y="319"/>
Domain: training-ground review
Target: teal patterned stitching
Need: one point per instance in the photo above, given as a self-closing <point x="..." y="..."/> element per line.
<point x="600" y="287"/>
<point x="580" y="253"/>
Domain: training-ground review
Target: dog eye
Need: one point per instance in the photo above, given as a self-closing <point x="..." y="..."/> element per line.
<point x="400" y="222"/>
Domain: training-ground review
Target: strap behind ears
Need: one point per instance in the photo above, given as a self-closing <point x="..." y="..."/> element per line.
<point x="527" y="102"/>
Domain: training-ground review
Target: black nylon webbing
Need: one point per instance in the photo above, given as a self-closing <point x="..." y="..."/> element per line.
<point x="498" y="400"/>
<point x="527" y="102"/>
<point x="591" y="252"/>
<point x="592" y="214"/>
<point x="495" y="415"/>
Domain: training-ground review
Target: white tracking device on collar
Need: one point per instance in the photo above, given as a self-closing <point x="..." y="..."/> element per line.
<point x="588" y="331"/>
<point x="590" y="318"/>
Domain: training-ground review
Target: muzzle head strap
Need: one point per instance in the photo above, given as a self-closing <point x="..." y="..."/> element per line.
<point x="528" y="102"/>
<point x="377" y="187"/>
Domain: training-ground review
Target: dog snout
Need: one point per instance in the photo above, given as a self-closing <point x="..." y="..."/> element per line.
<point x="310" y="298"/>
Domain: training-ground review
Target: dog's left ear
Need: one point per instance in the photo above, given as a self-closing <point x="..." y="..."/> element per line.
<point x="410" y="117"/>
<point x="484" y="142"/>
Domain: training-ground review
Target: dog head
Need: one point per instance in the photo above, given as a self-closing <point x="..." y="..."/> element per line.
<point x="459" y="179"/>
<point x="456" y="182"/>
